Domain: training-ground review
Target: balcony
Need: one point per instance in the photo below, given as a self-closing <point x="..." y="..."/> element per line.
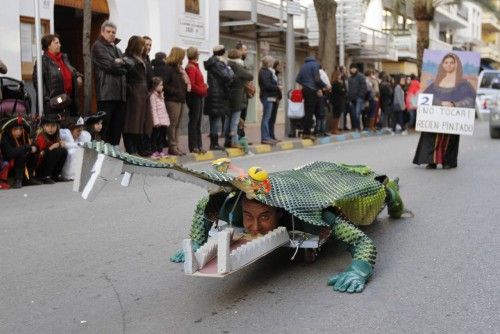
<point x="265" y="16"/>
<point x="374" y="44"/>
<point x="436" y="44"/>
<point x="449" y="16"/>
<point x="490" y="52"/>
<point x="406" y="44"/>
<point x="490" y="23"/>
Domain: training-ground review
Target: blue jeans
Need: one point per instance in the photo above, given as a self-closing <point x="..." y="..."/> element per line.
<point x="267" y="110"/>
<point x="357" y="107"/>
<point x="215" y="122"/>
<point x="231" y="127"/>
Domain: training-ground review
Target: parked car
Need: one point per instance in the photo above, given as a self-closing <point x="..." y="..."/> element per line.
<point x="486" y="93"/>
<point x="495" y="113"/>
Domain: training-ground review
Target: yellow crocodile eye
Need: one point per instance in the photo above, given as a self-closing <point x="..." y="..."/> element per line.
<point x="220" y="161"/>
<point x="257" y="173"/>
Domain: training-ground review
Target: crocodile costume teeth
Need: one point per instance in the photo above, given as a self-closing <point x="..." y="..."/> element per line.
<point x="320" y="195"/>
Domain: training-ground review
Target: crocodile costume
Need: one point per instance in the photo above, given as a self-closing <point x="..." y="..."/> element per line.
<point x="320" y="195"/>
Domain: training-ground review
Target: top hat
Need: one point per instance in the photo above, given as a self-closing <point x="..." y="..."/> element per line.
<point x="50" y="118"/>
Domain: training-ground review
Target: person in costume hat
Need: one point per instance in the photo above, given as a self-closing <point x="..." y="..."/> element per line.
<point x="18" y="150"/>
<point x="73" y="135"/>
<point x="52" y="149"/>
<point x="93" y="124"/>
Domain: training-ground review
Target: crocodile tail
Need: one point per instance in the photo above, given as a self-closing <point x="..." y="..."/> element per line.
<point x="395" y="205"/>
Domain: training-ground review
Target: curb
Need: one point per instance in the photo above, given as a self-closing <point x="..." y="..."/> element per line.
<point x="281" y="146"/>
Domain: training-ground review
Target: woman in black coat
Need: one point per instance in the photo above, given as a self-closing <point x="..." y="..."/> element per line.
<point x="219" y="77"/>
<point x="58" y="77"/>
<point x="338" y="100"/>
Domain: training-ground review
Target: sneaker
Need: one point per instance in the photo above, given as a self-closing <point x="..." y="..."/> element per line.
<point x="48" y="180"/>
<point x="156" y="155"/>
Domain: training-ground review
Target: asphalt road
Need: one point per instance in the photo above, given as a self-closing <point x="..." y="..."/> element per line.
<point x="71" y="266"/>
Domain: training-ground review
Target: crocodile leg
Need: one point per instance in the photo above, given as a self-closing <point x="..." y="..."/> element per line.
<point x="362" y="249"/>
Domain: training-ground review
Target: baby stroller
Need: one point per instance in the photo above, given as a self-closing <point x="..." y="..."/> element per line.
<point x="14" y="100"/>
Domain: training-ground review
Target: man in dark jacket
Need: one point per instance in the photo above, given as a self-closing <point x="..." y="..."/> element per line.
<point x="356" y="93"/>
<point x="109" y="72"/>
<point x="312" y="86"/>
<point x="219" y="77"/>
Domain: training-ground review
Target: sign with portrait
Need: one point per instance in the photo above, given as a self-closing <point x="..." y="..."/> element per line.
<point x="192" y="6"/>
<point x="448" y="92"/>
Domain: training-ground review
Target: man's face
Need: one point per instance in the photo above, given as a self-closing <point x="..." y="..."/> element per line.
<point x="244" y="52"/>
<point x="259" y="218"/>
<point x="109" y="34"/>
<point x="147" y="46"/>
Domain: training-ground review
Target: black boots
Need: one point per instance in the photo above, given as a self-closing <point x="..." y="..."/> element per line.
<point x="214" y="143"/>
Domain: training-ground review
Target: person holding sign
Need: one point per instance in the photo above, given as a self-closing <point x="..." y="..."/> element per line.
<point x="449" y="89"/>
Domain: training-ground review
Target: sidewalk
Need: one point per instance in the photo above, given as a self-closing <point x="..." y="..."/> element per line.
<point x="253" y="135"/>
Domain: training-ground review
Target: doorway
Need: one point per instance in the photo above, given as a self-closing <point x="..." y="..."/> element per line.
<point x="68" y="23"/>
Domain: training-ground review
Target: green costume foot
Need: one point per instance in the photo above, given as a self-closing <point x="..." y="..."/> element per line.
<point x="178" y="256"/>
<point x="353" y="279"/>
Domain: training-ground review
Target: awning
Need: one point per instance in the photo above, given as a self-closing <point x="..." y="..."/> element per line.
<point x="98" y="6"/>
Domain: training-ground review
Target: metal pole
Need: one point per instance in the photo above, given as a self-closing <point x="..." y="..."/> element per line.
<point x="342" y="39"/>
<point x="290" y="64"/>
<point x="39" y="86"/>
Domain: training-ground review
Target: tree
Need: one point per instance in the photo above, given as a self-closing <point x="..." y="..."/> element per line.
<point x="325" y="11"/>
<point x="87" y="61"/>
<point x="423" y="12"/>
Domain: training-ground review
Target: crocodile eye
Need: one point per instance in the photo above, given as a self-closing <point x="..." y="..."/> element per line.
<point x="257" y="173"/>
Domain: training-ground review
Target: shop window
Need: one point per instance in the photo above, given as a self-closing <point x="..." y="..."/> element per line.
<point x="28" y="44"/>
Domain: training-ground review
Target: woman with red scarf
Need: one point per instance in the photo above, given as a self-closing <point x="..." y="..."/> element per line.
<point x="59" y="77"/>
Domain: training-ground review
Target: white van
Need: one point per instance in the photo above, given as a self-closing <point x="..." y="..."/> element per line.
<point x="486" y="94"/>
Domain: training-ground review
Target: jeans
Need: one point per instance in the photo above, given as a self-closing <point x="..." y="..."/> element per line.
<point x="272" y="120"/>
<point x="267" y="110"/>
<point x="356" y="107"/>
<point x="231" y="127"/>
<point x="215" y="122"/>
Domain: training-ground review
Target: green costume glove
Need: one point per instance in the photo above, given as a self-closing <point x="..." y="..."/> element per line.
<point x="178" y="256"/>
<point x="353" y="279"/>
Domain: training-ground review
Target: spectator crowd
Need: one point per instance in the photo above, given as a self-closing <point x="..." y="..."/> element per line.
<point x="143" y="102"/>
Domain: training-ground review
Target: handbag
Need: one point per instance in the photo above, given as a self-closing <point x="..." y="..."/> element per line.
<point x="60" y="101"/>
<point x="295" y="104"/>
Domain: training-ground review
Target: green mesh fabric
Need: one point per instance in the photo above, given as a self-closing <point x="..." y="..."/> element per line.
<point x="303" y="192"/>
<point x="115" y="152"/>
<point x="198" y="230"/>
<point x="307" y="190"/>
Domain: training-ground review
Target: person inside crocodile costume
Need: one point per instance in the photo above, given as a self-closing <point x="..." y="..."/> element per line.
<point x="317" y="197"/>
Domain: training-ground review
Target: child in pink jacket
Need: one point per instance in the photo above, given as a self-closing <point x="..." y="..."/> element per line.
<point x="160" y="118"/>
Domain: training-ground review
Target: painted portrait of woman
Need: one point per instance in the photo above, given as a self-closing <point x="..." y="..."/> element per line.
<point x="449" y="89"/>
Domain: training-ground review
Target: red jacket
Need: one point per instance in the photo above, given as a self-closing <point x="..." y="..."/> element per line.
<point x="198" y="85"/>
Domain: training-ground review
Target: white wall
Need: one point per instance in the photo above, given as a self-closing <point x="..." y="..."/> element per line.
<point x="161" y="21"/>
<point x="10" y="45"/>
